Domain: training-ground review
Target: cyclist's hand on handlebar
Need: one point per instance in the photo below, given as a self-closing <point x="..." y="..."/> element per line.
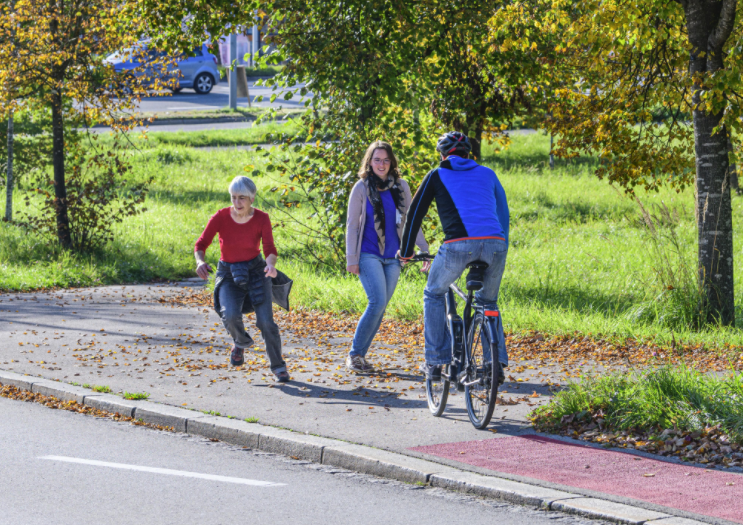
<point x="426" y="266"/>
<point x="353" y="268"/>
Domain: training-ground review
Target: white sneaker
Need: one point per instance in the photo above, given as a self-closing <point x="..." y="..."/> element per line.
<point x="355" y="363"/>
<point x="367" y="366"/>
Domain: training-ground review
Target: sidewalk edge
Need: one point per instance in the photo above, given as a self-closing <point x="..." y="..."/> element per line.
<point x="359" y="458"/>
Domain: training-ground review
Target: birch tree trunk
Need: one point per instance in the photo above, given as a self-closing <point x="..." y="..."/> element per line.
<point x="709" y="24"/>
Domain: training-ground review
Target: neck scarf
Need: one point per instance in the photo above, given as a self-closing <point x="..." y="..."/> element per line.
<point x="375" y="185"/>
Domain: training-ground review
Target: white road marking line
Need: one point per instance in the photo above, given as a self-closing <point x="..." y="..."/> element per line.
<point x="167" y="471"/>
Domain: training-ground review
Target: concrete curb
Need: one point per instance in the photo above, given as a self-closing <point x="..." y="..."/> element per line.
<point x="350" y="456"/>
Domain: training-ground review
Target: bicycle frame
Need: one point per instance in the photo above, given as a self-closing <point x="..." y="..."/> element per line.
<point x="459" y="371"/>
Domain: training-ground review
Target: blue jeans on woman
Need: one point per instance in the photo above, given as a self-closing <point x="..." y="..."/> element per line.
<point x="379" y="278"/>
<point x="450" y="262"/>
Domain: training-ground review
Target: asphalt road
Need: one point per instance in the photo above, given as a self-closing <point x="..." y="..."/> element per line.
<point x="63" y="468"/>
<point x="188" y="100"/>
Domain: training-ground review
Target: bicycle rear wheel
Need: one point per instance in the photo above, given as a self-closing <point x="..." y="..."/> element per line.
<point x="482" y="393"/>
<point x="437" y="392"/>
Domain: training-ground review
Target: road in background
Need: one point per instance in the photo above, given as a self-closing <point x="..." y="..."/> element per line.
<point x="219" y="98"/>
<point x="68" y="488"/>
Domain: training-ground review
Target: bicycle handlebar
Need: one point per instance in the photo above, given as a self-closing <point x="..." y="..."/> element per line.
<point x="420" y="257"/>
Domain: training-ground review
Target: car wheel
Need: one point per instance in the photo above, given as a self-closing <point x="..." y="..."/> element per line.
<point x="203" y="83"/>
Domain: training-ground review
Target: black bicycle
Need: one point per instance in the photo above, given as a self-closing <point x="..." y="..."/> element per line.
<point x="475" y="367"/>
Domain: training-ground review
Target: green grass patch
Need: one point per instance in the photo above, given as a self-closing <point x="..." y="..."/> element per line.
<point x="251" y="420"/>
<point x="649" y="401"/>
<point x="103" y="389"/>
<point x="211" y="413"/>
<point x="580" y="258"/>
<point x="220" y="138"/>
<point x="136" y="395"/>
<point x="86" y="385"/>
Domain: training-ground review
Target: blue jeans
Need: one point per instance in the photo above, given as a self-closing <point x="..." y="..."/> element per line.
<point x="231" y="298"/>
<point x="379" y="278"/>
<point x="450" y="262"/>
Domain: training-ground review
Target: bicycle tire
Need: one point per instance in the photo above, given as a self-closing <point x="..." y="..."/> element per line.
<point x="480" y="398"/>
<point x="437" y="392"/>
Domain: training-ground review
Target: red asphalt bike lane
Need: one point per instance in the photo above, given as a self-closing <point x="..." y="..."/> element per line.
<point x="693" y="489"/>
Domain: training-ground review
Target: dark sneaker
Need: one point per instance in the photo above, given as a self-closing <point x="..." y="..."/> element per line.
<point x="237" y="356"/>
<point x="432" y="372"/>
<point x="501" y="374"/>
<point x="282" y="376"/>
<point x="355" y="363"/>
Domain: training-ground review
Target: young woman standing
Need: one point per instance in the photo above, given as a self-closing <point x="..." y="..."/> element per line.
<point x="377" y="209"/>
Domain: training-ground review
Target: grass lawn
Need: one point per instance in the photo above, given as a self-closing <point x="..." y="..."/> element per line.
<point x="579" y="261"/>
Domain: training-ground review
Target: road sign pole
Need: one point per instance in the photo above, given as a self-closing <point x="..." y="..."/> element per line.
<point x="233" y="71"/>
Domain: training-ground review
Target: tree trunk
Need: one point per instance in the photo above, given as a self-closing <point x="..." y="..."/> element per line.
<point x="60" y="189"/>
<point x="476" y="141"/>
<point x="733" y="169"/>
<point x="709" y="24"/>
<point x="9" y="179"/>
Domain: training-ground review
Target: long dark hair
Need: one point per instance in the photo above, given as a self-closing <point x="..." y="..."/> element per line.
<point x="365" y="168"/>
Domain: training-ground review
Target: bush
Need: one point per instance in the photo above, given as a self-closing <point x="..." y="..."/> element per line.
<point x="650" y="400"/>
<point x="97" y="198"/>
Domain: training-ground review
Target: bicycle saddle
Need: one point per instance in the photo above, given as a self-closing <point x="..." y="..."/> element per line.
<point x="476" y="275"/>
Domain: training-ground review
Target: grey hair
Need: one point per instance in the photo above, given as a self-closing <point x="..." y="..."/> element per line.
<point x="243" y="186"/>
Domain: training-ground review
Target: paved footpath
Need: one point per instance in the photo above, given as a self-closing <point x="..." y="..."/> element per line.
<point x="155" y="339"/>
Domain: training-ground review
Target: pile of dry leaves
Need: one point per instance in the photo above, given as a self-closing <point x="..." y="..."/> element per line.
<point x="711" y="446"/>
<point x="18" y="394"/>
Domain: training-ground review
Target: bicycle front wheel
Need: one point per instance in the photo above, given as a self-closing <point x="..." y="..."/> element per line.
<point x="481" y="384"/>
<point x="437" y="392"/>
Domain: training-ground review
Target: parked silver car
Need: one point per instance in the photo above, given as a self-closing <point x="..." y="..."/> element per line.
<point x="198" y="71"/>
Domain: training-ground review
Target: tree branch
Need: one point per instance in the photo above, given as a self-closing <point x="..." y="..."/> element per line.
<point x="724" y="25"/>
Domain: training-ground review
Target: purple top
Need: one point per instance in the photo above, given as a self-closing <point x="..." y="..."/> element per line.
<point x="369" y="243"/>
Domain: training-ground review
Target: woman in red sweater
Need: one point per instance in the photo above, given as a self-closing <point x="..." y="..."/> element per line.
<point x="243" y="282"/>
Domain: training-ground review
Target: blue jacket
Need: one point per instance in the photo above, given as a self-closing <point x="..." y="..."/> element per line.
<point x="470" y="199"/>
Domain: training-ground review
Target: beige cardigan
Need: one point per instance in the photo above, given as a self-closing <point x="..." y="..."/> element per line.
<point x="357" y="220"/>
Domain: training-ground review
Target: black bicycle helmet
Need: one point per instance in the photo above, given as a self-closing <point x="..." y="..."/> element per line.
<point x="453" y="142"/>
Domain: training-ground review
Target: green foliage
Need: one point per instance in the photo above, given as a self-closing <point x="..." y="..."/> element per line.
<point x="32" y="145"/>
<point x="103" y="389"/>
<point x="675" y="297"/>
<point x="319" y="175"/>
<point x="651" y="400"/>
<point x="134" y="396"/>
<point x="97" y="199"/>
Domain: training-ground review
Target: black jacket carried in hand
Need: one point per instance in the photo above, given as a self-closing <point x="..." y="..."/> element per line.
<point x="249" y="275"/>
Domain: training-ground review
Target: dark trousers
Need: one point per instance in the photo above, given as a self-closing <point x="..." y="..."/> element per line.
<point x="231" y="298"/>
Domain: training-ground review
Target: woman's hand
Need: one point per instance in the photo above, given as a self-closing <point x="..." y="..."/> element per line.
<point x="202" y="270"/>
<point x="353" y="268"/>
<point x="426" y="266"/>
<point x="270" y="270"/>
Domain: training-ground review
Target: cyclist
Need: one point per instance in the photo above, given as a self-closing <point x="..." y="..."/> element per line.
<point x="473" y="212"/>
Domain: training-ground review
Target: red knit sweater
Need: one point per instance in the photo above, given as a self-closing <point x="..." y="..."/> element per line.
<point x="238" y="242"/>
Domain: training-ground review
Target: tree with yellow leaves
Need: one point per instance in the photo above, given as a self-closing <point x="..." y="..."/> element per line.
<point x="52" y="54"/>
<point x="654" y="89"/>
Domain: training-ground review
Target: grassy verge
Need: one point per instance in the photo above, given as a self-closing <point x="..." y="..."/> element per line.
<point x="671" y="411"/>
<point x="219" y="138"/>
<point x="580" y="261"/>
<point x="251" y="113"/>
